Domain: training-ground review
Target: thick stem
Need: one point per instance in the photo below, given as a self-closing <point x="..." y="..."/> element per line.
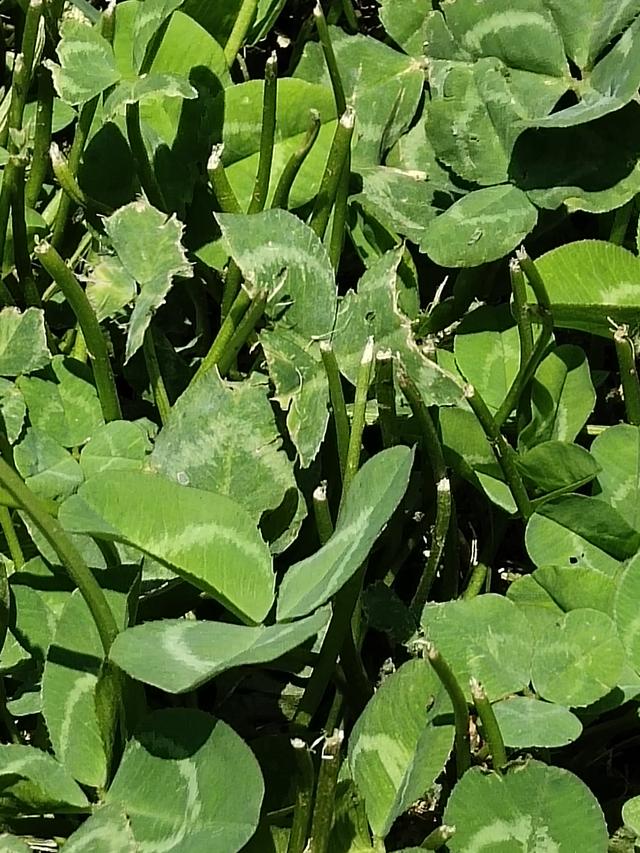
<point x="490" y="727"/>
<point x="338" y="156"/>
<point x="13" y="543"/>
<point x="358" y="421"/>
<point x="322" y="514"/>
<point x="620" y="223"/>
<point x="21" y="254"/>
<point x="267" y="136"/>
<point x="436" y="546"/>
<point x="460" y="710"/>
<point x="231" y="322"/>
<point x="504" y="453"/>
<point x="340" y="208"/>
<point x="294" y="163"/>
<point x="243" y="331"/>
<point x="96" y="343"/>
<point x="70" y="558"/>
<point x="476" y="581"/>
<point x="42" y="138"/>
<point x="626" y="353"/>
<point x="439" y="837"/>
<point x="324" y="807"/>
<point x="70" y="185"/>
<point x="330" y="59"/>
<point x="305" y="781"/>
<point x="240" y="29"/>
<point x="386" y="396"/>
<point x="521" y="310"/>
<point x="232" y="285"/>
<point x="225" y="196"/>
<point x="535" y="279"/>
<point x="338" y="407"/>
<point x="155" y="377"/>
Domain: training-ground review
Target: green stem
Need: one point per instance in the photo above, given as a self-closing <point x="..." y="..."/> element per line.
<point x="144" y="167"/>
<point x="338" y="156"/>
<point x="96" y="343"/>
<point x="324" y="806"/>
<point x="70" y="558"/>
<point x="42" y="138"/>
<point x="386" y="397"/>
<point x="625" y="351"/>
<point x="620" y="223"/>
<point x="244" y="329"/>
<point x="241" y="27"/>
<point x="476" y="581"/>
<point x="338" y="407"/>
<point x="225" y="196"/>
<point x="340" y="208"/>
<point x="22" y="70"/>
<point x="231" y="322"/>
<point x="460" y="710"/>
<point x="363" y="381"/>
<point x="521" y="310"/>
<point x="70" y="185"/>
<point x="322" y="514"/>
<point x="13" y="543"/>
<point x="155" y="377"/>
<point x="76" y="151"/>
<point x="504" y="453"/>
<point x="232" y="285"/>
<point x="330" y="59"/>
<point x="267" y="136"/>
<point x="305" y="781"/>
<point x="21" y="254"/>
<point x="350" y="15"/>
<point x="294" y="163"/>
<point x="490" y="727"/>
<point x="527" y="368"/>
<point x="535" y="279"/>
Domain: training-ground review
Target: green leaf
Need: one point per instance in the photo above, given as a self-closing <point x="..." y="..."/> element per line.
<point x="118" y="445"/>
<point x="178" y="655"/>
<point x="150" y="87"/>
<point x="206" y="538"/>
<point x="482" y="226"/>
<point x="532" y="807"/>
<point x="579" y="661"/>
<point x="526" y="723"/>
<point x="178" y="782"/>
<point x="486" y="638"/>
<point x="32" y="781"/>
<point x="107" y="830"/>
<point x="151" y="15"/>
<point x="12" y="844"/>
<point x="625" y="611"/>
<point x="48" y="469"/>
<point x="241" y="456"/>
<point x="279" y="253"/>
<point x="23" y="341"/>
<point x="68" y="410"/>
<point x="557" y="466"/>
<point x="404" y="21"/>
<point x="617" y="451"/>
<point x="375" y="493"/>
<point x="239" y="111"/>
<point x="12" y="409"/>
<point x="577" y="530"/>
<point x="631" y="815"/>
<point x="109" y="287"/>
<point x="591" y="283"/>
<point x="87" y="65"/>
<point x="574" y="587"/>
<point x="487" y="352"/>
<point x="71" y="674"/>
<point x="562" y="397"/>
<point x="374" y="311"/>
<point x="384" y="85"/>
<point x="400" y="743"/>
<point x="148" y="246"/>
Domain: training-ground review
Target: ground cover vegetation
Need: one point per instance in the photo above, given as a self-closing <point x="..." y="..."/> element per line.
<point x="320" y="426"/>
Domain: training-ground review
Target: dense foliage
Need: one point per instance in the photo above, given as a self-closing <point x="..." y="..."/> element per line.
<point x="319" y="426"/>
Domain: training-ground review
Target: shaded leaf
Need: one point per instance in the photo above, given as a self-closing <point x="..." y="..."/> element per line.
<point x="400" y="743"/>
<point x="178" y="783"/>
<point x="23" y="341"/>
<point x="178" y="655"/>
<point x="34" y="782"/>
<point x="617" y="450"/>
<point x="107" y="830"/>
<point x="48" y="469"/>
<point x="375" y="493"/>
<point x="118" y="445"/>
<point x="526" y="722"/>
